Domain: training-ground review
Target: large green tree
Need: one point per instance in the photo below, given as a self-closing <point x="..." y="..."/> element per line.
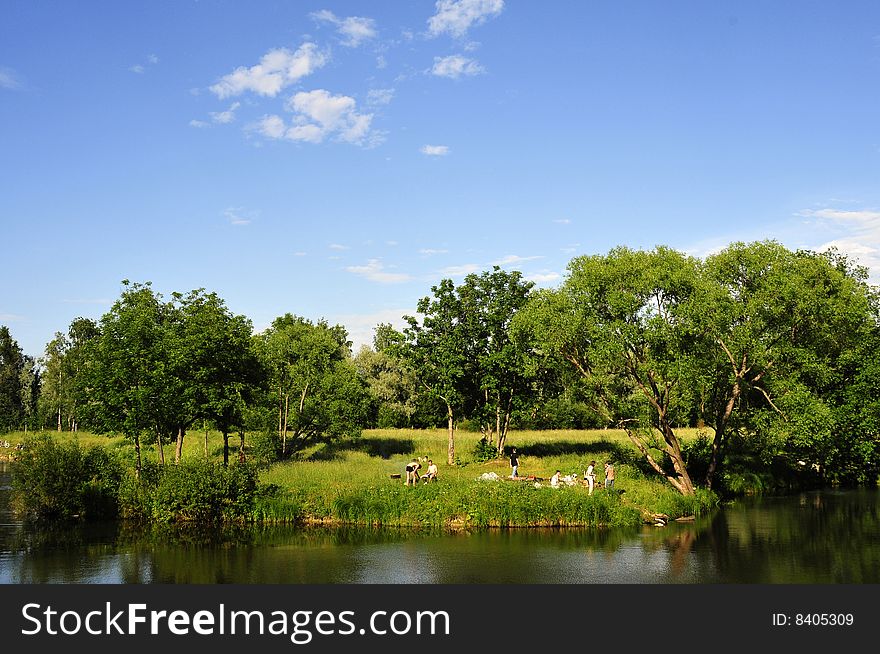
<point x="780" y="330"/>
<point x="318" y="393"/>
<point x="128" y="374"/>
<point x="624" y="322"/>
<point x="12" y="364"/>
<point x="435" y="348"/>
<point x="502" y="369"/>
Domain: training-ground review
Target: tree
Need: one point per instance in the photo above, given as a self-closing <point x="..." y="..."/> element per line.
<point x="319" y="394"/>
<point x="436" y="350"/>
<point x="62" y="365"/>
<point x="12" y="365"/>
<point x="127" y="377"/>
<point x="780" y="330"/>
<point x="216" y="363"/>
<point x="624" y="322"/>
<point x="502" y="369"/>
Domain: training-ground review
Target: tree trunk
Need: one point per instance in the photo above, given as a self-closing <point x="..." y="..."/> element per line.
<point x="241" y="454"/>
<point x="450" y="449"/>
<point x="137" y="450"/>
<point x="178" y="452"/>
<point x="284" y="429"/>
<point x="225" y="447"/>
<point x="160" y="447"/>
<point x="206" y="441"/>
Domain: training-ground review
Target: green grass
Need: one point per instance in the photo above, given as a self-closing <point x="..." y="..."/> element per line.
<point x="351" y="481"/>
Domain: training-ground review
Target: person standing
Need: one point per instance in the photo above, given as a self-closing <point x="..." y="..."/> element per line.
<point x="514" y="464"/>
<point x="590" y="476"/>
<point x="412" y="475"/>
<point x="609" y="474"/>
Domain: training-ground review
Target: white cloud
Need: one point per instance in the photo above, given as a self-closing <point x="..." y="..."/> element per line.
<point x="381" y="62"/>
<point x="435" y="150"/>
<point x="8" y="79"/>
<point x="513" y="259"/>
<point x="562" y="221"/>
<point x="300" y="254"/>
<point x="140" y="69"/>
<point x="429" y="252"/>
<point x="460" y="271"/>
<point x="11" y="317"/>
<point x="198" y="123"/>
<point x="374" y="270"/>
<point x="455" y="17"/>
<point x="277" y="69"/>
<point x="240" y="215"/>
<point x="378" y="97"/>
<point x="319" y="115"/>
<point x="543" y="278"/>
<point x="338" y="246"/>
<point x="857" y="235"/>
<point x="225" y="117"/>
<point x="354" y="29"/>
<point x="570" y="248"/>
<point x="454" y="66"/>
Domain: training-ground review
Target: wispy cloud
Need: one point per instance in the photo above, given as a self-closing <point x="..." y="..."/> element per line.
<point x="376" y="97"/>
<point x="374" y="270"/>
<point x="318" y="115"/>
<point x="277" y="69"/>
<point x="430" y="252"/>
<point x="200" y="124"/>
<point x="8" y="79"/>
<point x="461" y="270"/>
<point x="338" y="246"/>
<point x="225" y="117"/>
<point x="456" y="17"/>
<point x="455" y="66"/>
<point x="543" y="278"/>
<point x="240" y="215"/>
<point x="141" y="68"/>
<point x="857" y="234"/>
<point x="354" y="29"/>
<point x="562" y="221"/>
<point x="570" y="249"/>
<point x="512" y="259"/>
<point x="435" y="150"/>
<point x="11" y="317"/>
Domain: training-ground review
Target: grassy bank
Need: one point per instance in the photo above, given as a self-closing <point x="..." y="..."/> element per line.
<point x="352" y="482"/>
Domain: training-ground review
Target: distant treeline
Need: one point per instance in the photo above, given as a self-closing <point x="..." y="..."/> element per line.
<point x="775" y="353"/>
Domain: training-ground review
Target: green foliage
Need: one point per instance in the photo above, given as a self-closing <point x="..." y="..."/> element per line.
<point x="12" y="365"/>
<point x="191" y="492"/>
<point x="54" y="480"/>
<point x="484" y="450"/>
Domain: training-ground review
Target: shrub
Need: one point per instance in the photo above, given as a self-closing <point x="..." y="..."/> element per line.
<point x="191" y="492"/>
<point x="484" y="450"/>
<point x="62" y="481"/>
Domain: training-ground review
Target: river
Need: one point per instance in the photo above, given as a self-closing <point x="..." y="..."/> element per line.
<point x="818" y="537"/>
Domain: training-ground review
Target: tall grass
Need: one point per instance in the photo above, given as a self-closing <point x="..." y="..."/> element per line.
<point x="351" y="481"/>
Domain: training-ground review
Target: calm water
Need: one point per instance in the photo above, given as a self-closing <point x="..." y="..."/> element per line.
<point x="823" y="537"/>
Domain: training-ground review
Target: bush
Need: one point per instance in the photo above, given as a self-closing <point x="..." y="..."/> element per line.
<point x="484" y="450"/>
<point x="63" y="481"/>
<point x="191" y="492"/>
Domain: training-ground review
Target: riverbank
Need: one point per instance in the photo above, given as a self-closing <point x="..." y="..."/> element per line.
<point x="361" y="482"/>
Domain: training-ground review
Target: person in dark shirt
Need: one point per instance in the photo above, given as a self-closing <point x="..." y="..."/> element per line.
<point x="514" y="464"/>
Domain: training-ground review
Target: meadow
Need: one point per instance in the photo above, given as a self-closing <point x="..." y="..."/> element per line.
<point x="361" y="481"/>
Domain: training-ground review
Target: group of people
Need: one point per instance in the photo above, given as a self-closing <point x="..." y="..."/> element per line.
<point x="412" y="472"/>
<point x="555" y="480"/>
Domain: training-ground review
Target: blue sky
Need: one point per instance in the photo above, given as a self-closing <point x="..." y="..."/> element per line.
<point x="336" y="159"/>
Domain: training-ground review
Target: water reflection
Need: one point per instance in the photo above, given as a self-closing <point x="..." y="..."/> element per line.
<point x="828" y="537"/>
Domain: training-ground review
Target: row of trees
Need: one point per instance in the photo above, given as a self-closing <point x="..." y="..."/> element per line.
<point x="756" y="343"/>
